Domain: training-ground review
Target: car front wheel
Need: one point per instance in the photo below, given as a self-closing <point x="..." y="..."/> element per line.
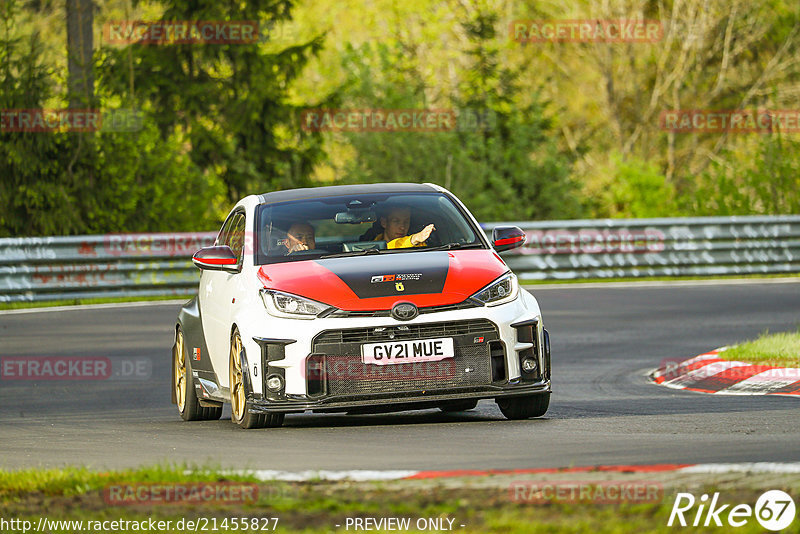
<point x="240" y="413"/>
<point x="524" y="407"/>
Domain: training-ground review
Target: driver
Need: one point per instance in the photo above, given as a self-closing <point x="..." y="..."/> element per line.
<point x="395" y="226"/>
<point x="300" y="236"/>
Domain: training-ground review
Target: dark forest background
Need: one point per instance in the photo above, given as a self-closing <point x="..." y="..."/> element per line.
<point x="571" y="131"/>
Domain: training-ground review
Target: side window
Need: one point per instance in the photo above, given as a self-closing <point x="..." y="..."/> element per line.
<point x="235" y="238"/>
<point x="222" y="236"/>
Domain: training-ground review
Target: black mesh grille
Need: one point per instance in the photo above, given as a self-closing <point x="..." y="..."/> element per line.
<point x="347" y="375"/>
<point x="403" y="332"/>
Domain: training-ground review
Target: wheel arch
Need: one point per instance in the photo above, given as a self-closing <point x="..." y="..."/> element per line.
<point x="172" y="362"/>
<point x="244" y="361"/>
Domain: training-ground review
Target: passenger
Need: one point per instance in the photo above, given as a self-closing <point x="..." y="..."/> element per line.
<point x="395" y="226"/>
<point x="300" y="236"/>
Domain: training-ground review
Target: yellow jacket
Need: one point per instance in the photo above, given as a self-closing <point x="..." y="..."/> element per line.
<point x="400" y="242"/>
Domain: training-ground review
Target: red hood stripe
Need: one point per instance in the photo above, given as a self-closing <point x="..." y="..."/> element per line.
<point x="307" y="279"/>
<point x="469" y="271"/>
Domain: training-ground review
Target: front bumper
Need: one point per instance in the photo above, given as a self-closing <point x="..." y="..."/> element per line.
<point x="396" y="401"/>
<point x="288" y="357"/>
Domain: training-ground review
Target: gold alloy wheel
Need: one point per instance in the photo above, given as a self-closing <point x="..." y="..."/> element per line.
<point x="180" y="372"/>
<point x="236" y="382"/>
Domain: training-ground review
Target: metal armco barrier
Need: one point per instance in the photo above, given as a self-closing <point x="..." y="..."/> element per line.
<point x="112" y="265"/>
<point x="618" y="248"/>
<point x="129" y="265"/>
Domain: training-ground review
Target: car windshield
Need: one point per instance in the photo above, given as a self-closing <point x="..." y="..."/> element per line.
<point x="360" y="225"/>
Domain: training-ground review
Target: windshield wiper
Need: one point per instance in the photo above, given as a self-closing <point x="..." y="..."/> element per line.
<point x="452" y="246"/>
<point x="351" y="253"/>
<point x="449" y="246"/>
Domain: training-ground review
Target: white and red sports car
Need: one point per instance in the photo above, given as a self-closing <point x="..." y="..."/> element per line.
<point x="362" y="298"/>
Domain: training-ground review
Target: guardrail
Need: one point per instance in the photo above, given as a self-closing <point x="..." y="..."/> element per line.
<point x="617" y="248"/>
<point x="113" y="265"/>
<point x="129" y="265"/>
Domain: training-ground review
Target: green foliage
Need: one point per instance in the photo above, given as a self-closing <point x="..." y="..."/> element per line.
<point x="568" y="129"/>
<point x="763" y="181"/>
<point x="216" y="124"/>
<point x="69" y="481"/>
<point x="57" y="183"/>
<point x="501" y="159"/>
<point x="231" y="100"/>
<point x="636" y="189"/>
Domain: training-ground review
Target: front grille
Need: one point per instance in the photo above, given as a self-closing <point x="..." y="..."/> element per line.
<point x="388" y="313"/>
<point x="346" y="375"/>
<point x="403" y="332"/>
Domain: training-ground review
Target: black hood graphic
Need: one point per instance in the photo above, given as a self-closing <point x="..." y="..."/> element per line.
<point x="388" y="275"/>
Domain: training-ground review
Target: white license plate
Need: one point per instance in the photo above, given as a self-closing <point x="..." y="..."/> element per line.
<point x="392" y="352"/>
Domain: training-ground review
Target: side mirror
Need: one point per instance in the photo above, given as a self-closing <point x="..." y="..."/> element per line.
<point x="219" y="258"/>
<point x="507" y="238"/>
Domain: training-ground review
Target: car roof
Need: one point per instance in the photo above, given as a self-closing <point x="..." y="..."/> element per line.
<point x="344" y="190"/>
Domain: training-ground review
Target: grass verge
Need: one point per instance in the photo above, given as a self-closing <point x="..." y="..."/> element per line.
<point x="81" y="302"/>
<point x="780" y="350"/>
<point x="467" y="505"/>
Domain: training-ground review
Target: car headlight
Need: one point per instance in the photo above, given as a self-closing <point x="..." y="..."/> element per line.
<point x="502" y="290"/>
<point x="291" y="306"/>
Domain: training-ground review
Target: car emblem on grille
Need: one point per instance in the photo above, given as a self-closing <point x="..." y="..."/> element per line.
<point x="404" y="311"/>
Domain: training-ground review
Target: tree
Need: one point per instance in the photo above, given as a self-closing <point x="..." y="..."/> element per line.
<point x="231" y="101"/>
<point x="636" y="189"/>
<point x="759" y="180"/>
<point x="500" y="159"/>
<point x="80" y="44"/>
<point x="63" y="182"/>
<point x="716" y="55"/>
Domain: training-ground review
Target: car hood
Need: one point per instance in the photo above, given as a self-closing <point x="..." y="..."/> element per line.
<point x="377" y="282"/>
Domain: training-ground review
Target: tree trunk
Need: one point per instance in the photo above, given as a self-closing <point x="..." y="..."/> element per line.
<point x="80" y="17"/>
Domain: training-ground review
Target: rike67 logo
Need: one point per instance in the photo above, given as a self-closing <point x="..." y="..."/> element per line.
<point x="774" y="511"/>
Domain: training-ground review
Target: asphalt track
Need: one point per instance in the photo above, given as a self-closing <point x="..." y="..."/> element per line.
<point x="603" y="410"/>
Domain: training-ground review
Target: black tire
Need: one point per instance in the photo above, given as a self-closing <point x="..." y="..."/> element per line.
<point x="459" y="406"/>
<point x="240" y="407"/>
<point x="260" y="420"/>
<point x="183" y="383"/>
<point x="524" y="407"/>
